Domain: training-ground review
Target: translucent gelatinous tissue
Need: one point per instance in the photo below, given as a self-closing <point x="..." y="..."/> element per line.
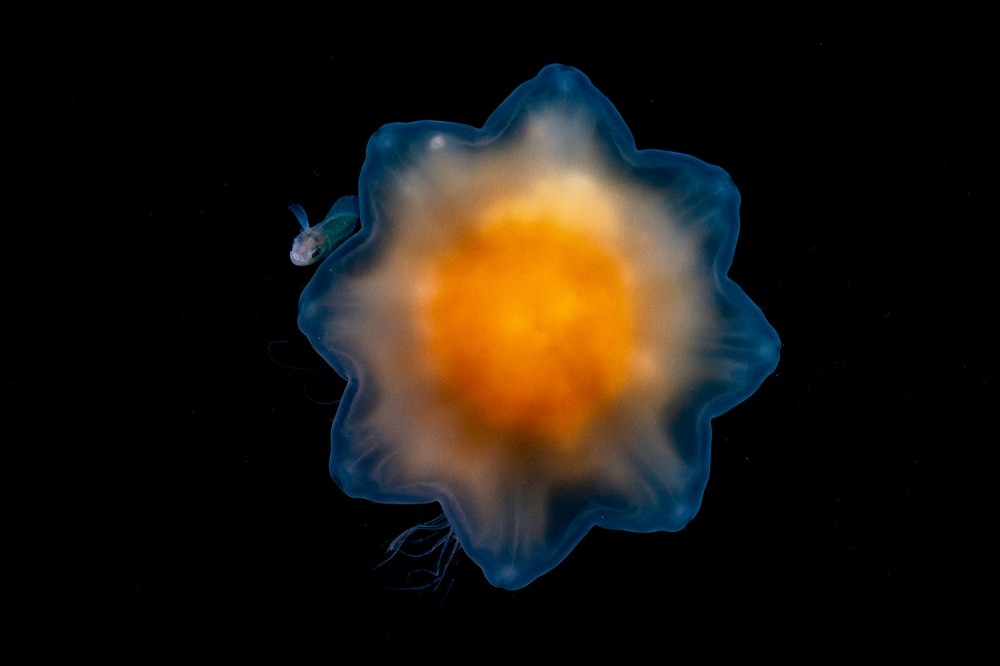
<point x="536" y="326"/>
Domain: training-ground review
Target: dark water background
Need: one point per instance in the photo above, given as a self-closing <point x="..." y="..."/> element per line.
<point x="854" y="492"/>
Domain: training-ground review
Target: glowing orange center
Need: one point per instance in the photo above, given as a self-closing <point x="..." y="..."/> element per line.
<point x="531" y="328"/>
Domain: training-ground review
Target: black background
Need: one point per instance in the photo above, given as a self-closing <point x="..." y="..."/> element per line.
<point x="183" y="419"/>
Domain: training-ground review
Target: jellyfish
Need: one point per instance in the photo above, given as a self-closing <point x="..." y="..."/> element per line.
<point x="536" y="325"/>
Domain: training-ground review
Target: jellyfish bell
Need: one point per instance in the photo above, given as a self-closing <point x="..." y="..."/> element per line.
<point x="536" y="326"/>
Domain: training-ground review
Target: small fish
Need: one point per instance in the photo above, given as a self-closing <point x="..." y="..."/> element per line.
<point x="315" y="243"/>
